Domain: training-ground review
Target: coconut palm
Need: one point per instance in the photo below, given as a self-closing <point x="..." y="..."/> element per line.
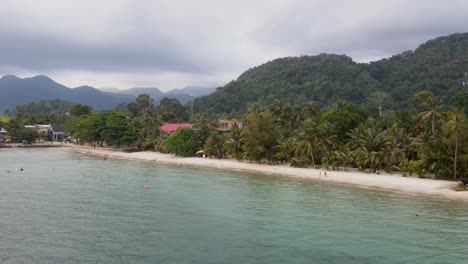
<point x="344" y="157"/>
<point x="456" y="127"/>
<point x="426" y="105"/>
<point x="235" y="142"/>
<point x="311" y="110"/>
<point x="308" y="141"/>
<point x="368" y="145"/>
<point x="286" y="149"/>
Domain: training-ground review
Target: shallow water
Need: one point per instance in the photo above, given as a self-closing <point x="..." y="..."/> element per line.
<point x="74" y="208"/>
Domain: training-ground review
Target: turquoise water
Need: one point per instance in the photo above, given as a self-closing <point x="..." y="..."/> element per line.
<point x="74" y="208"/>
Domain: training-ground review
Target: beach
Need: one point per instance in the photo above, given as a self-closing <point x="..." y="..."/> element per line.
<point x="383" y="181"/>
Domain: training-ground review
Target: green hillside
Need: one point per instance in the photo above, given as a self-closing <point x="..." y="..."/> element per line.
<point x="437" y="65"/>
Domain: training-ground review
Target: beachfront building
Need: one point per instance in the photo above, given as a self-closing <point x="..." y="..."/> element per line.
<point x="171" y="127"/>
<point x="52" y="132"/>
<point x="228" y="124"/>
<point x="56" y="132"/>
<point x="38" y="128"/>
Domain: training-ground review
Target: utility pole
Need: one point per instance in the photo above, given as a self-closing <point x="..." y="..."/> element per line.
<point x="191" y="108"/>
<point x="465" y="84"/>
<point x="465" y="80"/>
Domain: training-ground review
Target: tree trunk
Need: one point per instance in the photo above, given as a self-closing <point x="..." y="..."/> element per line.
<point x="433" y="126"/>
<point x="456" y="156"/>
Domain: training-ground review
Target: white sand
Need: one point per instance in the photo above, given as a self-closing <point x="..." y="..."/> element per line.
<point x="390" y="182"/>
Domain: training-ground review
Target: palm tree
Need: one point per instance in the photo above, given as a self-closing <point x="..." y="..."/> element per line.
<point x="311" y="110"/>
<point x="235" y="142"/>
<point x="276" y="110"/>
<point x="344" y="156"/>
<point x="286" y="149"/>
<point x="308" y="139"/>
<point x="368" y="145"/>
<point x="456" y="126"/>
<point x="426" y="105"/>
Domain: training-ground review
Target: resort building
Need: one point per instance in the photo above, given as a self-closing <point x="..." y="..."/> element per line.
<point x="53" y="132"/>
<point x="227" y="125"/>
<point x="56" y="132"/>
<point x="171" y="127"/>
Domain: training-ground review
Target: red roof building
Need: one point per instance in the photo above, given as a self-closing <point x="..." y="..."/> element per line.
<point x="171" y="127"/>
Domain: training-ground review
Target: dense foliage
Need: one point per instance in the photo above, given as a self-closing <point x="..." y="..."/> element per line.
<point x="43" y="112"/>
<point x="183" y="142"/>
<point x="438" y="66"/>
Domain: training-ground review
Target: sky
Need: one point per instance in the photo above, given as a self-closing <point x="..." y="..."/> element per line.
<point x="173" y="44"/>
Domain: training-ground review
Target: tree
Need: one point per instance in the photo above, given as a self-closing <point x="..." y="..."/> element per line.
<point x="170" y="109"/>
<point x="79" y="110"/>
<point x="214" y="145"/>
<point x="28" y="135"/>
<point x="14" y="128"/>
<point x="183" y="142"/>
<point x="379" y="99"/>
<point x="426" y="106"/>
<point x="456" y="128"/>
<point x="88" y="127"/>
<point x="344" y="156"/>
<point x="203" y="128"/>
<point x="286" y="149"/>
<point x="235" y="142"/>
<point x="147" y="128"/>
<point x="344" y="117"/>
<point x="261" y="136"/>
<point x="308" y="141"/>
<point x="118" y="131"/>
<point x="368" y="144"/>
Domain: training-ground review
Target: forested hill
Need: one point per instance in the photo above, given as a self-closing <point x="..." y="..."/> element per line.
<point x="438" y="65"/>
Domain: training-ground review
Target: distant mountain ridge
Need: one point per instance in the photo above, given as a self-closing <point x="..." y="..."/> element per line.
<point x="15" y="91"/>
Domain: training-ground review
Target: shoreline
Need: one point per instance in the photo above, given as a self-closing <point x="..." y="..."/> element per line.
<point x="383" y="181"/>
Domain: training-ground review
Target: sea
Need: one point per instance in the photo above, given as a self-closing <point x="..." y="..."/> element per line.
<point x="59" y="206"/>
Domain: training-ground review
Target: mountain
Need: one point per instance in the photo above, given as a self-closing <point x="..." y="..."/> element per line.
<point x="194" y="91"/>
<point x="151" y="91"/>
<point x="184" y="95"/>
<point x="437" y="65"/>
<point x="325" y="78"/>
<point x="16" y="91"/>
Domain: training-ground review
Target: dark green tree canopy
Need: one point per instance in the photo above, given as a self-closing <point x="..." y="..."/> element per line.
<point x="438" y="66"/>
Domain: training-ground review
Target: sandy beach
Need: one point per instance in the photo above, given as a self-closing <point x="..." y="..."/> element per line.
<point x="383" y="181"/>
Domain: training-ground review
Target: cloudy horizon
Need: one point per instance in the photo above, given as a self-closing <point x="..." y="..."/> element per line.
<point x="173" y="44"/>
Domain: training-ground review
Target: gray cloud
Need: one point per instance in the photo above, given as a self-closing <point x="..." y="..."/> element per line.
<point x="363" y="29"/>
<point x="174" y="43"/>
<point x="40" y="51"/>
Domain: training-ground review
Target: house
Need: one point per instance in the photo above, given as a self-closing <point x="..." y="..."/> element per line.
<point x="227" y="125"/>
<point x="171" y="127"/>
<point x="56" y="132"/>
<point x="53" y="132"/>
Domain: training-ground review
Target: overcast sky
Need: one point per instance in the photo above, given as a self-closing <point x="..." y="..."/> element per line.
<point x="172" y="44"/>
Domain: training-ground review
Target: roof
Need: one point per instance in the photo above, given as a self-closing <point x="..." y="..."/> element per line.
<point x="57" y="128"/>
<point x="171" y="127"/>
<point x="39" y="128"/>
